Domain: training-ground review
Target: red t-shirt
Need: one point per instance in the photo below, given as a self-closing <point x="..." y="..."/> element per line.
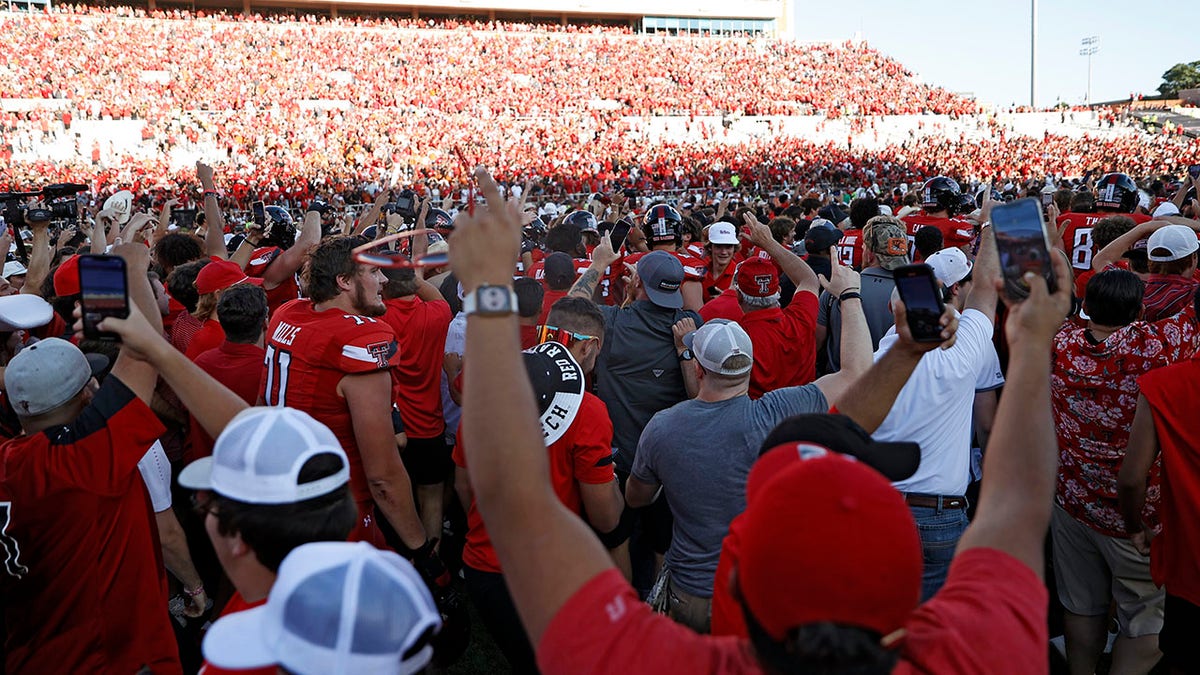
<point x="1077" y="238"/>
<point x="955" y="232"/>
<point x="724" y="306"/>
<point x="850" y="249"/>
<point x="785" y="351"/>
<point x="694" y="268"/>
<point x="85" y="589"/>
<point x="1093" y="393"/>
<point x="210" y="336"/>
<point x="307" y="355"/>
<point x="582" y="455"/>
<point x="989" y="617"/>
<point x="1174" y="396"/>
<point x="240" y="368"/>
<point x="237" y="604"/>
<point x="715" y="286"/>
<point x="420" y="328"/>
<point x="548" y="301"/>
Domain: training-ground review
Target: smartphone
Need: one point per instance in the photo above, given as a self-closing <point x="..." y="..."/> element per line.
<point x="922" y="299"/>
<point x="1047" y="198"/>
<point x="103" y="292"/>
<point x="1023" y="244"/>
<point x="619" y="232"/>
<point x="260" y="213"/>
<point x="1194" y="171"/>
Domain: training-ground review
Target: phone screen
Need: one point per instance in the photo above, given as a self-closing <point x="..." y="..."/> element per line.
<point x="1023" y="245"/>
<point x="1194" y="171"/>
<point x="103" y="293"/>
<point x="260" y="214"/>
<point x="922" y="301"/>
<point x="617" y="236"/>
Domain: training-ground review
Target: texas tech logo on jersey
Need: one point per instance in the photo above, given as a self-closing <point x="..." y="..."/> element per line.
<point x="382" y="351"/>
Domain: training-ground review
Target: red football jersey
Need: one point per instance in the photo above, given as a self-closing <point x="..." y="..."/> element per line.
<point x="421" y="337"/>
<point x="694" y="268"/>
<point x="83" y="581"/>
<point x="1077" y="237"/>
<point x="582" y="455"/>
<point x="308" y="354"/>
<point x="850" y="249"/>
<point x="955" y="232"/>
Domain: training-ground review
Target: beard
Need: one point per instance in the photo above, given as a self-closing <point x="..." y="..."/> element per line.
<point x="367" y="304"/>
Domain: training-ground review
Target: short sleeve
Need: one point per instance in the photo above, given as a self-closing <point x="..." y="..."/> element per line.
<point x="156" y="474"/>
<point x="804" y="307"/>
<point x="992" y="610"/>
<point x="643" y="463"/>
<point x="824" y="305"/>
<point x="783" y="403"/>
<point x="367" y="348"/>
<point x="456" y="337"/>
<point x="991" y="376"/>
<point x="592" y="446"/>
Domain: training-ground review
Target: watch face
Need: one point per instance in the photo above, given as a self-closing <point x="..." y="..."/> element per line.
<point x="493" y="299"/>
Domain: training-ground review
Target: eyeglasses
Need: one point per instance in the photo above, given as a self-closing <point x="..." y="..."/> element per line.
<point x="370" y="253"/>
<point x="547" y="333"/>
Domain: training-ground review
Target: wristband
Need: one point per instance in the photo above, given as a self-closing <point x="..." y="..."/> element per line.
<point x="191" y="593"/>
<point x="849" y="295"/>
<point x="209" y="193"/>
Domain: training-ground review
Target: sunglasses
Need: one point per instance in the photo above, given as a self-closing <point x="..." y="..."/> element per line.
<point x="370" y="253"/>
<point x="547" y="333"/>
<point x="202" y="503"/>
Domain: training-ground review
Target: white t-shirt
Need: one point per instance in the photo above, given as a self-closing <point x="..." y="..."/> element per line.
<point x="156" y="474"/>
<point x="934" y="407"/>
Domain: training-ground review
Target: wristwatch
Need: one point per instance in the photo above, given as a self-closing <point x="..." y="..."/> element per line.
<point x="686" y="355"/>
<point x="491" y="301"/>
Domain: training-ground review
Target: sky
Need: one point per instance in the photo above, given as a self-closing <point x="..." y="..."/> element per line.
<point x="982" y="47"/>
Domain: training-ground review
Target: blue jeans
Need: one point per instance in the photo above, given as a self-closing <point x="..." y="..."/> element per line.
<point x="940" y="531"/>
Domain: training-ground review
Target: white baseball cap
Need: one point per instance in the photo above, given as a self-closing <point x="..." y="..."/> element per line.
<point x="336" y="607"/>
<point x="13" y="268"/>
<point x="716" y="341"/>
<point x="722" y="233"/>
<point x="24" y="311"/>
<point x="258" y="457"/>
<point x="950" y="265"/>
<point x="1166" y="209"/>
<point x="1171" y="242"/>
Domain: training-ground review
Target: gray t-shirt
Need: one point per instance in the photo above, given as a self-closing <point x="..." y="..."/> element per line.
<point x="877" y="285"/>
<point x="637" y="372"/>
<point x="701" y="453"/>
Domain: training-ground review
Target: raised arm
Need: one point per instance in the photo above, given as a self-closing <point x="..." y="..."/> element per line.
<point x="164" y="220"/>
<point x="855" y="354"/>
<point x="602" y="258"/>
<point x="290" y="261"/>
<point x="546" y="551"/>
<point x="372" y="214"/>
<point x="986" y="273"/>
<point x="869" y="399"/>
<point x="39" y="257"/>
<point x="214" y="220"/>
<point x="1110" y="254"/>
<point x="796" y="269"/>
<point x="1021" y="461"/>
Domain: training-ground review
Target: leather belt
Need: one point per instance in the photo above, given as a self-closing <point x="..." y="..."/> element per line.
<point x="935" y="501"/>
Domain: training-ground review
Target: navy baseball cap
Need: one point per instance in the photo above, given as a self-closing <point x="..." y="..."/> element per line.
<point x="662" y="276"/>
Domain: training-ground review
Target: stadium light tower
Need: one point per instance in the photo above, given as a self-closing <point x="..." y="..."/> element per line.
<point x="1087" y="47"/>
<point x="1033" y="53"/>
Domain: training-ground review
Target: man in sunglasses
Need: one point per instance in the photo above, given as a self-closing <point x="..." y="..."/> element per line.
<point x="581" y="469"/>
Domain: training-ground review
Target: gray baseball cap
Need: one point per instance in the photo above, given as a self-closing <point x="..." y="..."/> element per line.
<point x="45" y="375"/>
<point x="718" y="340"/>
<point x="662" y="276"/>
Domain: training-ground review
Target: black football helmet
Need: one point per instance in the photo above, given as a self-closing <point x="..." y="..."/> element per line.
<point x="584" y="220"/>
<point x="281" y="229"/>
<point x="1116" y="192"/>
<point x="997" y="197"/>
<point x="940" y="194"/>
<point x="662" y="224"/>
<point x="439" y="220"/>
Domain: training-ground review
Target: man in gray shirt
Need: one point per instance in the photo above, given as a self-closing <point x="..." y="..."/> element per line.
<point x="885" y="247"/>
<point x="700" y="451"/>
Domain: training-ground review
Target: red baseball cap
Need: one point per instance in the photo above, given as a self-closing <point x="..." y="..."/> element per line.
<point x="757" y="277"/>
<point x="867" y="571"/>
<point x="221" y="274"/>
<point x="66" y="277"/>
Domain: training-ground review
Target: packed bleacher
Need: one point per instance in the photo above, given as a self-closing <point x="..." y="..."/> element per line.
<point x="650" y="393"/>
